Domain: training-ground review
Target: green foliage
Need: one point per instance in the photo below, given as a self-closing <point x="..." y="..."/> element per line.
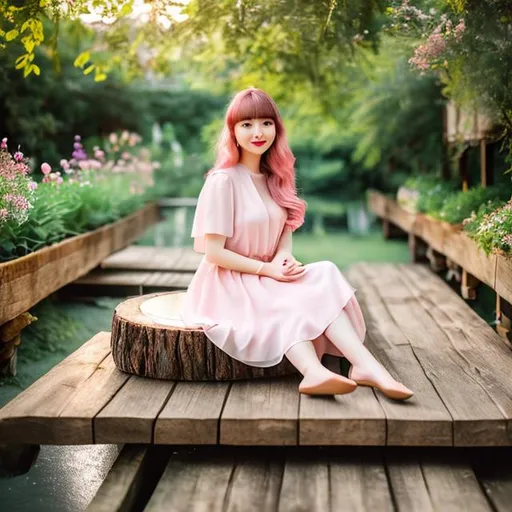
<point x="460" y="205"/>
<point x="71" y="209"/>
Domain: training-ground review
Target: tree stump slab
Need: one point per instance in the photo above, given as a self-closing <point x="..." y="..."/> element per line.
<point x="150" y="340"/>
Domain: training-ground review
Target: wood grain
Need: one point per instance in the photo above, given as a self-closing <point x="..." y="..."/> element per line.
<point x="143" y="347"/>
<point x="38" y="414"/>
<point x="191" y="416"/>
<point x="262" y="412"/>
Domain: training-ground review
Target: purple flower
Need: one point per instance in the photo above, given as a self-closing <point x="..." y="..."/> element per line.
<point x="32" y="185"/>
<point x="78" y="138"/>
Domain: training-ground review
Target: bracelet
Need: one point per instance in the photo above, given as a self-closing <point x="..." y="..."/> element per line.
<point x="260" y="267"/>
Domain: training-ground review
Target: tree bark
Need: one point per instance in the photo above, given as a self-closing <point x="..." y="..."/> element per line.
<point x="142" y="347"/>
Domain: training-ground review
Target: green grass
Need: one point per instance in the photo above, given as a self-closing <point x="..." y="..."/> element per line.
<point x="345" y="249"/>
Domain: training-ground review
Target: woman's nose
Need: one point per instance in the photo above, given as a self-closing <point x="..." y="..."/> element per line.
<point x="257" y="130"/>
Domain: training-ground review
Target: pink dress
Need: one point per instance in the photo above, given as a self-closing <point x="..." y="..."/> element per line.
<point x="256" y="319"/>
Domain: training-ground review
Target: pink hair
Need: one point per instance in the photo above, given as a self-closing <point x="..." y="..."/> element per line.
<point x="278" y="161"/>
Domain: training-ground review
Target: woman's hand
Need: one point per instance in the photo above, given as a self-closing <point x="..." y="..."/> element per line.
<point x="287" y="261"/>
<point x="284" y="267"/>
<point x="275" y="271"/>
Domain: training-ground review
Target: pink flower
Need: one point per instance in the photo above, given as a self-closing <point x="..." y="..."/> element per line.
<point x="59" y="180"/>
<point x="32" y="185"/>
<point x="45" y="168"/>
<point x="4" y="143"/>
<point x="18" y="201"/>
<point x="3" y="213"/>
<point x="18" y="156"/>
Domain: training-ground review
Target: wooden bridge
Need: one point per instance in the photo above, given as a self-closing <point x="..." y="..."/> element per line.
<point x="417" y="326"/>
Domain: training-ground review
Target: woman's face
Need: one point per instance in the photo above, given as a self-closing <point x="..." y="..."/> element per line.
<point x="250" y="131"/>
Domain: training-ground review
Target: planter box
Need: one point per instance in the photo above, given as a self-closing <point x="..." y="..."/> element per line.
<point x="504" y="277"/>
<point x="435" y="232"/>
<point x="404" y="219"/>
<point x="377" y="203"/>
<point x="466" y="253"/>
<point x="27" y="280"/>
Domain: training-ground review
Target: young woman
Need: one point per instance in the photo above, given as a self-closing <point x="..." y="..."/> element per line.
<point x="253" y="299"/>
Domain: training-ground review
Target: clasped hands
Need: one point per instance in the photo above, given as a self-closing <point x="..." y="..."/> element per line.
<point x="284" y="267"/>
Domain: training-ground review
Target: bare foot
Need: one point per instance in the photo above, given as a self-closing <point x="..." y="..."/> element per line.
<point x="325" y="382"/>
<point x="382" y="380"/>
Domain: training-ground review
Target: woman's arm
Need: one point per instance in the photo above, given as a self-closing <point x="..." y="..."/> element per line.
<point x="285" y="242"/>
<point x="216" y="253"/>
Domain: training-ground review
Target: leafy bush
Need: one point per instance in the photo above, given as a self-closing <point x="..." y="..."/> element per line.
<point x="460" y="205"/>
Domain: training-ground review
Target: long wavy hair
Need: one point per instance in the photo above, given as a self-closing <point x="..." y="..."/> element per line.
<point x="277" y="162"/>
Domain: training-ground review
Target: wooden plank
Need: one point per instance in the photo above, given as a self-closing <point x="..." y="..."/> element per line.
<point x="256" y="481"/>
<point x="434" y="480"/>
<point x="477" y="420"/>
<point x="130" y="415"/>
<point x="159" y="259"/>
<point x="191" y="416"/>
<point x="143" y="279"/>
<point x="31" y="278"/>
<point x="352" y="419"/>
<point x="486" y="358"/>
<point x="193" y="482"/>
<point x="261" y="412"/>
<point x="34" y="416"/>
<point x="305" y="484"/>
<point x="167" y="280"/>
<point x="452" y="484"/>
<point x="92" y="395"/>
<point x="423" y="420"/>
<point x="406" y="482"/>
<point x="131" y="479"/>
<point x="114" y="278"/>
<point x="358" y="481"/>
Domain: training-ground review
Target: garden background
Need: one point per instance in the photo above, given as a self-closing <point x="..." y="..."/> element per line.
<point x="107" y="106"/>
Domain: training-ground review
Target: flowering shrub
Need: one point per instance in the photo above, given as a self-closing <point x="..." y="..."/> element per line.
<point x="16" y="187"/>
<point x="439" y="33"/>
<point x="491" y="227"/>
<point x="87" y="192"/>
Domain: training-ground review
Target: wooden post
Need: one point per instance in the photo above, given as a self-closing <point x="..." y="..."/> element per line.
<point x="504" y="319"/>
<point x="445" y="165"/>
<point x="417" y="248"/>
<point x="436" y="259"/>
<point x="468" y="285"/>
<point x="463" y="170"/>
<point x="486" y="164"/>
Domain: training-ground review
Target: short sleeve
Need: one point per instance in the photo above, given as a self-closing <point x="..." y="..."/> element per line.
<point x="215" y="209"/>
